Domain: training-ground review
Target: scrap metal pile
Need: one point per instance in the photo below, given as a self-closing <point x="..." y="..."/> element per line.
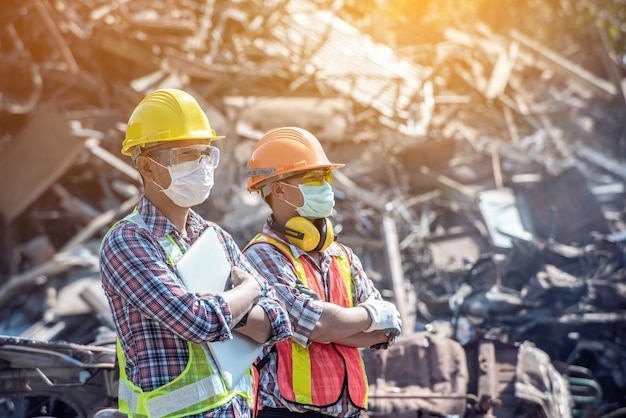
<point x="483" y="191"/>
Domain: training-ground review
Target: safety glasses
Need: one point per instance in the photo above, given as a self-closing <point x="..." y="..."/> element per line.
<point x="174" y="156"/>
<point x="315" y="177"/>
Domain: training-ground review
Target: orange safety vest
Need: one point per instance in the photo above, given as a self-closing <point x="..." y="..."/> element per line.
<point x="316" y="375"/>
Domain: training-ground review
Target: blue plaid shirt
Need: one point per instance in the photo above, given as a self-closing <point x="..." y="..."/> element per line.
<point x="154" y="314"/>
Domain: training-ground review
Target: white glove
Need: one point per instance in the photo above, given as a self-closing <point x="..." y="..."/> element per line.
<point x="385" y="316"/>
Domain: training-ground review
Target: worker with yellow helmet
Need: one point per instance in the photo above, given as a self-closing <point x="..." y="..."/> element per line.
<point x="333" y="306"/>
<point x="165" y="370"/>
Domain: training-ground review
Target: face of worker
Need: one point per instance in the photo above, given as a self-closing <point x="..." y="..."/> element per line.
<point x="180" y="170"/>
<point x="308" y="193"/>
<point x="172" y="153"/>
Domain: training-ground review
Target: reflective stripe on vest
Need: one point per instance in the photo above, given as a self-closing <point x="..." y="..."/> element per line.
<point x="315" y="375"/>
<point x="197" y="389"/>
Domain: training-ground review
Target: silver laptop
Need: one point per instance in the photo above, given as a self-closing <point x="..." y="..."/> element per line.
<point x="205" y="268"/>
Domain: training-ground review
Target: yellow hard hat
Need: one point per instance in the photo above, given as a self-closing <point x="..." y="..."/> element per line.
<point x="283" y="151"/>
<point x="166" y="115"/>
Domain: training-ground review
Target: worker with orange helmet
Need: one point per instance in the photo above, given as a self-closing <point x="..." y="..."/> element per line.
<point x="333" y="306"/>
<point x="162" y="327"/>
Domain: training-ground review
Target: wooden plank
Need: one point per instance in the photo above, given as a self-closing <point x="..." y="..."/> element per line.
<point x="394" y="259"/>
<point x="451" y="188"/>
<point x="74" y="205"/>
<point x="610" y="63"/>
<point x="502" y="71"/>
<point x="558" y="62"/>
<point x="95" y="148"/>
<point x="510" y="124"/>
<point x="55" y="35"/>
<point x="352" y="190"/>
<point x="556" y="136"/>
<point x="40" y="154"/>
<point x="101" y="221"/>
<point x="128" y="49"/>
<point x="258" y="115"/>
<point x="602" y="160"/>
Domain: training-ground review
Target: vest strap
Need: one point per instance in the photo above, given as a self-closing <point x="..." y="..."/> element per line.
<point x="173" y="251"/>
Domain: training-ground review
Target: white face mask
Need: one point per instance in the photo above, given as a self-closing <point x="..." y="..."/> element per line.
<point x="191" y="184"/>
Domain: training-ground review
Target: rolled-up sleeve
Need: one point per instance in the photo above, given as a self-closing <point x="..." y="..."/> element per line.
<point x="304" y="312"/>
<point x="281" y="329"/>
<point x="269" y="302"/>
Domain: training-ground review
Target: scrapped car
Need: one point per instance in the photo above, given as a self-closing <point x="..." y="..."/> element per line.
<point x="55" y="379"/>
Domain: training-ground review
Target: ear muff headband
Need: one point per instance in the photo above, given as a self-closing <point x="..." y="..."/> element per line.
<point x="289" y="232"/>
<point x="306" y="235"/>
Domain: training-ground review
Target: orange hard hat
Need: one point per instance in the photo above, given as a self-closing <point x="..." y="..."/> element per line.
<point x="284" y="151"/>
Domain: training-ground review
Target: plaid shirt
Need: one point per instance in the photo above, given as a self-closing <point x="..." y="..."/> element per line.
<point x="155" y="316"/>
<point x="303" y="311"/>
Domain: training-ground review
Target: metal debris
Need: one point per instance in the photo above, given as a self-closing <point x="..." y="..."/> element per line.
<point x="483" y="192"/>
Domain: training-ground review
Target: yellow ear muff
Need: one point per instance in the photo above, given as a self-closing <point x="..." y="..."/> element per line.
<point x="310" y="236"/>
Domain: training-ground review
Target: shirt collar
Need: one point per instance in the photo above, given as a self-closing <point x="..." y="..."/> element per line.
<point x="160" y="225"/>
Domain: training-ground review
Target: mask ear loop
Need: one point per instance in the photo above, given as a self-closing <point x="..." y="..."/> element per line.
<point x="285" y="200"/>
<point x="165" y="167"/>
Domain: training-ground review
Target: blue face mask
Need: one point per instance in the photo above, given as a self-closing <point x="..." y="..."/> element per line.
<point x="319" y="201"/>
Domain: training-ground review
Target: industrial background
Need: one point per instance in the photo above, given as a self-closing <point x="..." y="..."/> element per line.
<point x="483" y="190"/>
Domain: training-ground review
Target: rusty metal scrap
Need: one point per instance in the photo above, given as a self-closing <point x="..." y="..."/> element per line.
<point x="422" y="372"/>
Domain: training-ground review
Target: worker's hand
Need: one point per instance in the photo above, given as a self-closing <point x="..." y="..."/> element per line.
<point x="385" y="316"/>
<point x="301" y="287"/>
<point x="240" y="277"/>
<point x="391" y="339"/>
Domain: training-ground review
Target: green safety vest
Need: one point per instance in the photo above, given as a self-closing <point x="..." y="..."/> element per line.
<point x="199" y="387"/>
